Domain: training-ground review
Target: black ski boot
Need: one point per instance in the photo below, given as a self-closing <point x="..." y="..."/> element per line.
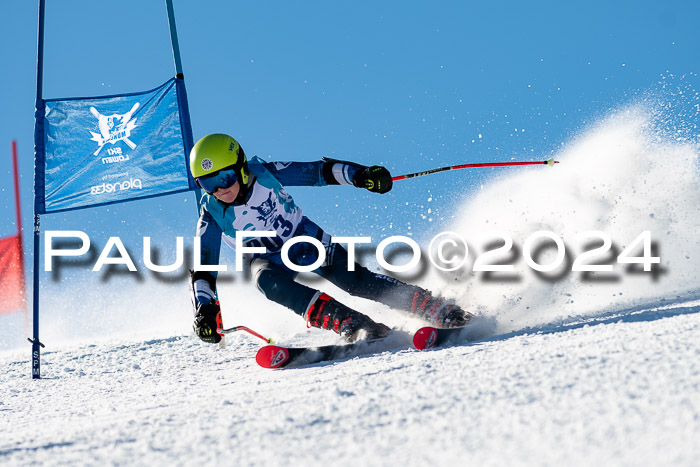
<point x="438" y="312"/>
<point x="327" y="313"/>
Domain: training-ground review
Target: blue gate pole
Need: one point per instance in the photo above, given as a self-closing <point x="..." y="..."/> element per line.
<point x="182" y="94"/>
<point x="36" y="344"/>
<point x="173" y="39"/>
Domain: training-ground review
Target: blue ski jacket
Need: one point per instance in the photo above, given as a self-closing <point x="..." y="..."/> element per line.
<point x="268" y="207"/>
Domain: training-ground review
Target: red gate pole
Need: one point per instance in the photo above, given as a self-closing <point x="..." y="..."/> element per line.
<point x="18" y="211"/>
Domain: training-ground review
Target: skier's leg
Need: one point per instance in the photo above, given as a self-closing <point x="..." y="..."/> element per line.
<point x="392" y="292"/>
<point x="328" y="313"/>
<point x="277" y="284"/>
<point x="320" y="310"/>
<point x="367" y="284"/>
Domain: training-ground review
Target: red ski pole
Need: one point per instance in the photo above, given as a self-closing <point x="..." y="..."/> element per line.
<point x="243" y="328"/>
<point x="550" y="162"/>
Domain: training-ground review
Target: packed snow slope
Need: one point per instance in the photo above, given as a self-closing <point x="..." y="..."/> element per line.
<point x="562" y="368"/>
<point x="616" y="390"/>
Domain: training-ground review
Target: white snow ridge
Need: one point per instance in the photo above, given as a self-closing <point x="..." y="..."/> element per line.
<point x="599" y="372"/>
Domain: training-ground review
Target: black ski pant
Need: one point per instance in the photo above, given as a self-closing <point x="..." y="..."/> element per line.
<point x="278" y="283"/>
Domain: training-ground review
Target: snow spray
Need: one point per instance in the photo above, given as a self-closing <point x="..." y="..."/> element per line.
<point x="622" y="176"/>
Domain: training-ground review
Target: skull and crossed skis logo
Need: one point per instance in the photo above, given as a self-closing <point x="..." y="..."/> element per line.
<point x="113" y="128"/>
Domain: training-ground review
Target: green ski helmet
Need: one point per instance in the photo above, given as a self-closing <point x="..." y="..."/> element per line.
<point x="216" y="152"/>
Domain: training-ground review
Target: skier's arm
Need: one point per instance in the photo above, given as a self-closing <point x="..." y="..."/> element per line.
<point x="298" y="173"/>
<point x="203" y="283"/>
<point x="331" y="172"/>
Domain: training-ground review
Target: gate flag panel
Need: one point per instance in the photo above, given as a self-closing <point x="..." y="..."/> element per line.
<point x="104" y="150"/>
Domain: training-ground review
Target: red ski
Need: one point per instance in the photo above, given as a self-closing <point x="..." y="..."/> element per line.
<point x="275" y="356"/>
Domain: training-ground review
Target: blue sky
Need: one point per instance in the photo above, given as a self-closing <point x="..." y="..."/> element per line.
<point x="411" y="85"/>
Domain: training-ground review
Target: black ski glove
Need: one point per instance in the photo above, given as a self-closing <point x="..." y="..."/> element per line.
<point x="207" y="321"/>
<point x="376" y="179"/>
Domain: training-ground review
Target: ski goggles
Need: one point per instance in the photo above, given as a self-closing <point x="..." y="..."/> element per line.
<point x="224" y="178"/>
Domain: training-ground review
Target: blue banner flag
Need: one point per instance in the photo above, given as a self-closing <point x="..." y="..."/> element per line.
<point x="101" y="150"/>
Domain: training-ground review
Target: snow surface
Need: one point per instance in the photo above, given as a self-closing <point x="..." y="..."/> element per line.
<point x="623" y="389"/>
<point x="560" y="370"/>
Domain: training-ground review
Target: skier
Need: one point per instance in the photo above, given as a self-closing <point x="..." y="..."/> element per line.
<point x="242" y="195"/>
